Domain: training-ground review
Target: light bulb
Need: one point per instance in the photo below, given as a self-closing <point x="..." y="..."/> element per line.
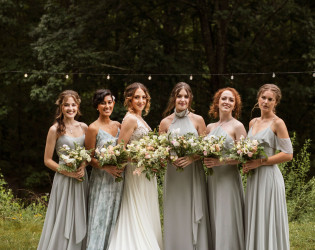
<point x="108" y="77"/>
<point x="149" y="78"/>
<point x="191" y="77"/>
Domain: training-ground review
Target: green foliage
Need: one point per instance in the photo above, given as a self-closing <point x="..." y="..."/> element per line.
<point x="300" y="190"/>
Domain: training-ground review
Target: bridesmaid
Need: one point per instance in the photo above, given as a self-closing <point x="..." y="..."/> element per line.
<point x="65" y="222"/>
<point x="266" y="220"/>
<point x="105" y="193"/>
<point x="225" y="189"/>
<point x="186" y="223"/>
<point x="138" y="226"/>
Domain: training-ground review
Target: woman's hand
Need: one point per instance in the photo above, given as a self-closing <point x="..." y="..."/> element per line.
<point x="251" y="165"/>
<point x="212" y="162"/>
<point x="113" y="170"/>
<point x="185" y="161"/>
<point x="79" y="174"/>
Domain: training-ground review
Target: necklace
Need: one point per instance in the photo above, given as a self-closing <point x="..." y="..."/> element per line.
<point x="70" y="128"/>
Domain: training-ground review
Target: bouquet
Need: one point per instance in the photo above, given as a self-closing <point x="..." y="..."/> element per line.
<point x="246" y="149"/>
<point x="182" y="145"/>
<point x="73" y="158"/>
<point x="112" y="155"/>
<point x="211" y="146"/>
<point x="150" y="153"/>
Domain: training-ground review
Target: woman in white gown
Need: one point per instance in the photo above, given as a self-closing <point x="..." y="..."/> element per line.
<point x="138" y="226"/>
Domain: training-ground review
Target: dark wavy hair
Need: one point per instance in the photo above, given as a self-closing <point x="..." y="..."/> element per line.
<point x="130" y="92"/>
<point x="171" y="101"/>
<point x="214" y="107"/>
<point x="99" y="96"/>
<point x="63" y="97"/>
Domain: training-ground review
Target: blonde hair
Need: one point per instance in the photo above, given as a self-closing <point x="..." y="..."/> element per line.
<point x="274" y="89"/>
<point x="130" y="92"/>
<point x="63" y="97"/>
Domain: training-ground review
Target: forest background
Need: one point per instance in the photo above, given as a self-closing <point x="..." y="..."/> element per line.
<point x="131" y="40"/>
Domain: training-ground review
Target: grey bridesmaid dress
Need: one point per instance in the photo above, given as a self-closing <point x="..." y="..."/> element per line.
<point x="266" y="219"/>
<point x="104" y="201"/>
<point x="66" y="216"/>
<point x="226" y="202"/>
<point x="186" y="221"/>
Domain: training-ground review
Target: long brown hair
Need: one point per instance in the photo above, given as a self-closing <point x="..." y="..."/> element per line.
<point x="63" y="97"/>
<point x="214" y="107"/>
<point x="171" y="101"/>
<point x="273" y="88"/>
<point x="130" y="92"/>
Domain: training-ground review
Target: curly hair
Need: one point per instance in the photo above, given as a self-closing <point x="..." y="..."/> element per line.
<point x="171" y="101"/>
<point x="99" y="96"/>
<point x="130" y="92"/>
<point x="214" y="107"/>
<point x="63" y="97"/>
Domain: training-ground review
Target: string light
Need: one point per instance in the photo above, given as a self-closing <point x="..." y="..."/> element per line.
<point x="67" y="76"/>
<point x="25" y="75"/>
<point x="149" y="78"/>
<point x="191" y="77"/>
<point x="108" y="77"/>
<point x="273" y="75"/>
<point x="314" y="74"/>
<point x="232" y="77"/>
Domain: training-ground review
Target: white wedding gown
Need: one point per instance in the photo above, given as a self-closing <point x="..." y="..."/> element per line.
<point x="138" y="226"/>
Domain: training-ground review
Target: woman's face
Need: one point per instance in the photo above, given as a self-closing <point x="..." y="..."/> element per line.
<point x="182" y="100"/>
<point x="138" y="101"/>
<point x="106" y="106"/>
<point x="267" y="101"/>
<point x="226" y="102"/>
<point x="69" y="108"/>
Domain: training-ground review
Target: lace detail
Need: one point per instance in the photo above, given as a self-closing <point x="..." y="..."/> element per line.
<point x="140" y="131"/>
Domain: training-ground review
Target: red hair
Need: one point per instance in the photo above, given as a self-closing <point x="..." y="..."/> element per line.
<point x="214" y="107"/>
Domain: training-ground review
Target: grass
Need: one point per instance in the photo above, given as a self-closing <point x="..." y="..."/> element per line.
<point x="19" y="234"/>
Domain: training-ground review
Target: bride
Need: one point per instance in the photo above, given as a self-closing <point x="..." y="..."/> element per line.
<point x="138" y="226"/>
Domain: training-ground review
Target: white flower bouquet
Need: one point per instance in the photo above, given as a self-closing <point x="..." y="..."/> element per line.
<point x="246" y="149"/>
<point x="150" y="154"/>
<point x="73" y="158"/>
<point x="211" y="146"/>
<point x="112" y="155"/>
<point x="182" y="145"/>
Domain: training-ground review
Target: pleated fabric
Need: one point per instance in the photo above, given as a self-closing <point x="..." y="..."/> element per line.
<point x="104" y="201"/>
<point x="66" y="216"/>
<point x="186" y="220"/>
<point x="266" y="220"/>
<point x="226" y="202"/>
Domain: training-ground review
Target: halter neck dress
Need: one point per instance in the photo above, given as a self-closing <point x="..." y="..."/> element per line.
<point x="266" y="219"/>
<point x="138" y="226"/>
<point x="186" y="221"/>
<point x="104" y="201"/>
<point x="66" y="216"/>
<point x="226" y="202"/>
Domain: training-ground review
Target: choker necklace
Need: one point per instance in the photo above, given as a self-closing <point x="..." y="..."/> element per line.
<point x="182" y="113"/>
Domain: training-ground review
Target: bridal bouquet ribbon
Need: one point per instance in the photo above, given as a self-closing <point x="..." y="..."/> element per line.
<point x="112" y="155"/>
<point x="211" y="146"/>
<point x="246" y="150"/>
<point x="150" y="154"/>
<point x="182" y="145"/>
<point x="73" y="158"/>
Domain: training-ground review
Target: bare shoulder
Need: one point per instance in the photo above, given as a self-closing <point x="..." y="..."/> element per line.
<point x="198" y="118"/>
<point x="53" y="128"/>
<point x="238" y="125"/>
<point x="83" y="126"/>
<point x="252" y="122"/>
<point x="165" y="123"/>
<point x="93" y="128"/>
<point x="279" y="124"/>
<point x="210" y="127"/>
<point x="117" y="124"/>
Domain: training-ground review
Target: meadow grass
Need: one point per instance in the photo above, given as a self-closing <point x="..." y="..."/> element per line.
<point x="20" y="234"/>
